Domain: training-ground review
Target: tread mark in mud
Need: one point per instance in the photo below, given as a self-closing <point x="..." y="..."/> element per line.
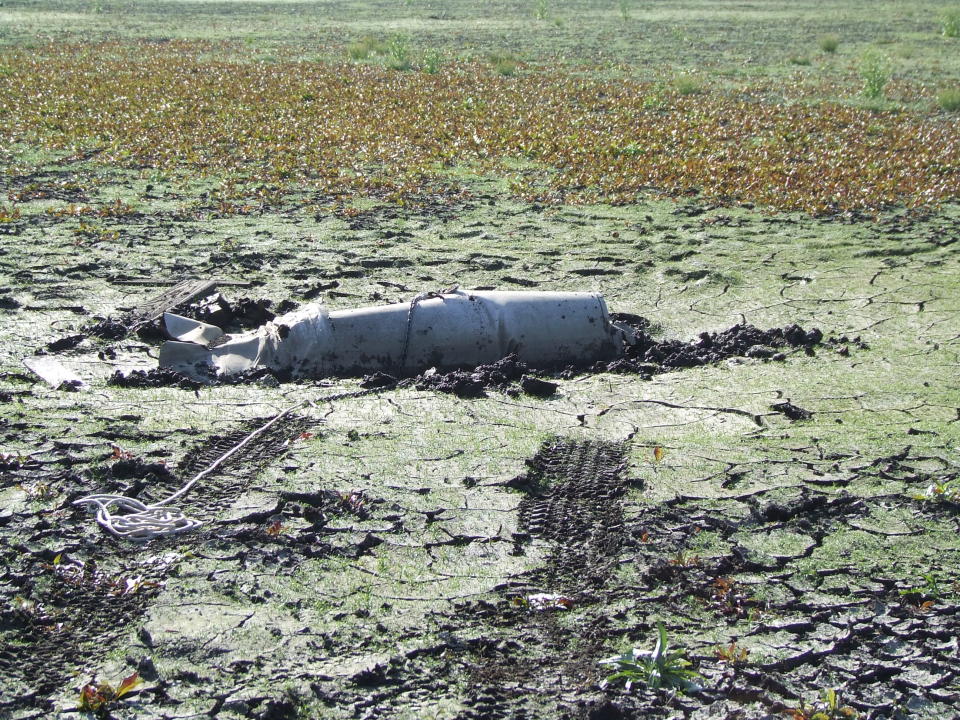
<point x="80" y="614"/>
<point x="575" y="503"/>
<point x="219" y="489"/>
<point x="57" y="616"/>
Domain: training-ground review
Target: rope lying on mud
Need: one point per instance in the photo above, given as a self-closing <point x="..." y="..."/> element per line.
<point x="148" y="522"/>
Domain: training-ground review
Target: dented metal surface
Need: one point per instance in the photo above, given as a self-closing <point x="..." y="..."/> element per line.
<point x="442" y="330"/>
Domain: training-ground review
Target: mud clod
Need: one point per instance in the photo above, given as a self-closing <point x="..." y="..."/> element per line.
<point x="109" y="329"/>
<point x="127" y="468"/>
<point x="470" y="384"/>
<point x="794" y="412"/>
<point x="66" y="343"/>
<point x="378" y="380"/>
<point x="457" y="382"/>
<point x="153" y="378"/>
<point x="213" y="309"/>
<point x="536" y="387"/>
<point x="250" y="313"/>
<point x="259" y="376"/>
<point x="508" y="376"/>
<point x="648" y="356"/>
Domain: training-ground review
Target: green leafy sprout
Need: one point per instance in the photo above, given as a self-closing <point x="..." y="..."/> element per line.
<point x="950" y="23"/>
<point x="661" y="667"/>
<point x="829" y="708"/>
<point x="875" y="71"/>
<point x="931" y="588"/>
<point x="945" y="491"/>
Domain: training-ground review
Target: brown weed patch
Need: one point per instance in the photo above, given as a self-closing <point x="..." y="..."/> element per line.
<point x="350" y="129"/>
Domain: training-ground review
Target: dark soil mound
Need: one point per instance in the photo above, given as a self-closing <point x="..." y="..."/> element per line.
<point x="646" y="357"/>
<point x="650" y="356"/>
<point x="154" y="378"/>
<point x="508" y="375"/>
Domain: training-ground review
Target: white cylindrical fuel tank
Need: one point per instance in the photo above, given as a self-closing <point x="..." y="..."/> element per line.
<point x="448" y="330"/>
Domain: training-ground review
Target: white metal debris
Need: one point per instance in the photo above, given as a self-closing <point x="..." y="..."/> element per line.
<point x="444" y="330"/>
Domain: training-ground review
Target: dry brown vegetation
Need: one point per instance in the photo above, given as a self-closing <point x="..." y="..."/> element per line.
<point x="363" y="129"/>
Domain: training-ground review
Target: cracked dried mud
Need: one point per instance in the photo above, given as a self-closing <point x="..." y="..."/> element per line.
<point x="773" y="472"/>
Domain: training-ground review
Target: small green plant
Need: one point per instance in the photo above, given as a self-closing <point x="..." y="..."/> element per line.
<point x="229" y="245"/>
<point x="950" y="23"/>
<point x="684" y="559"/>
<point x="658" y="668"/>
<point x="503" y="64"/>
<point x="732" y="654"/>
<point x="829" y="43"/>
<point x="931" y="588"/>
<point x="631" y="150"/>
<point x="398" y="54"/>
<point x="94" y="232"/>
<point x="99" y="697"/>
<point x="945" y="490"/>
<point x="366" y="47"/>
<point x="542" y="9"/>
<point x="624" y="9"/>
<point x="9" y="216"/>
<point x="949" y="99"/>
<point x="656" y="100"/>
<point x="827" y="708"/>
<point x="875" y="71"/>
<point x="689" y="85"/>
<point x="432" y="60"/>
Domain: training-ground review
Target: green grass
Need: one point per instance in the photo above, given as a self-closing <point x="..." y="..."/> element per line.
<point x="949" y="99"/>
<point x="366" y="48"/>
<point x="892" y="283"/>
<point x="752" y="40"/>
<point x="829" y="43"/>
<point x="875" y="72"/>
<point x="689" y="85"/>
<point x="503" y="63"/>
<point x="950" y="23"/>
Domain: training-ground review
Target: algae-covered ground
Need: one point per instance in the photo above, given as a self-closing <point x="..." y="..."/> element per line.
<point x="789" y="514"/>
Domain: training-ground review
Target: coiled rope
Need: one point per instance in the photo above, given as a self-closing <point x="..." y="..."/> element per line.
<point x="148" y="522"/>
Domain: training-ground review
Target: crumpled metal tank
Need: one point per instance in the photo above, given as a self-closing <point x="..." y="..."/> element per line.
<point x="443" y="330"/>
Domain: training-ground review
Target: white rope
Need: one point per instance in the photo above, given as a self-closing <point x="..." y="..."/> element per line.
<point x="148" y="522"/>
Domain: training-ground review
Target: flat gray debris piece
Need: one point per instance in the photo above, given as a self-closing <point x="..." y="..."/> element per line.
<point x="53" y="372"/>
